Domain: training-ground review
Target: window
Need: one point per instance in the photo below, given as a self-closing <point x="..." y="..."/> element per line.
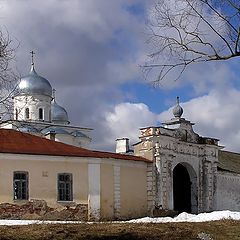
<point x="40" y="114"/>
<point x="65" y="187"/>
<point x="20" y="185"/>
<point x="27" y="113"/>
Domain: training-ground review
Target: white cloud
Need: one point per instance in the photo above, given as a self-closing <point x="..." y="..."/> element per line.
<point x="124" y="120"/>
<point x="215" y="115"/>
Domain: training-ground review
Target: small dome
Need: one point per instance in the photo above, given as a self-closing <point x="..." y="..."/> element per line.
<point x="177" y="110"/>
<point x="58" y="113"/>
<point x="34" y="84"/>
<point x="28" y="129"/>
<point x="79" y="134"/>
<point x="55" y="130"/>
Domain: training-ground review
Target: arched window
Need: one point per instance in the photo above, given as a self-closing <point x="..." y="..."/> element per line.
<point x="27" y="113"/>
<point x="40" y="114"/>
<point x="16" y="114"/>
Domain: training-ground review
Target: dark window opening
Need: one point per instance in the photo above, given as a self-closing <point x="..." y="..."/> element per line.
<point x="65" y="187"/>
<point x="40" y="114"/>
<point x="27" y="113"/>
<point x="20" y="185"/>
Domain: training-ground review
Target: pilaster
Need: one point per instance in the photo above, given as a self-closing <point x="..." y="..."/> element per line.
<point x="94" y="192"/>
<point x="117" y="191"/>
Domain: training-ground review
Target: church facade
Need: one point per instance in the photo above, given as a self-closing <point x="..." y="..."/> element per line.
<point x="48" y="173"/>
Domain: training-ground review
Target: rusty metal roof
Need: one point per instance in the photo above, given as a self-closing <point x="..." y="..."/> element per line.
<point x="12" y="141"/>
<point x="229" y="161"/>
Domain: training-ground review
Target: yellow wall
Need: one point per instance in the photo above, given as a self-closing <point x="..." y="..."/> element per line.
<point x="43" y="171"/>
<point x="43" y="179"/>
<point x="133" y="191"/>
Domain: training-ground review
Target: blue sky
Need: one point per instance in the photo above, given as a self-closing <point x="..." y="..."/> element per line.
<point x="90" y="51"/>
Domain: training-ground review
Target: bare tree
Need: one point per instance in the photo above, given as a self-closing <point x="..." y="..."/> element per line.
<point x="185" y="32"/>
<point x="8" y="78"/>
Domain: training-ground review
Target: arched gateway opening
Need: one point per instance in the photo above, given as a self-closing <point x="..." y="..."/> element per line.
<point x="182" y="189"/>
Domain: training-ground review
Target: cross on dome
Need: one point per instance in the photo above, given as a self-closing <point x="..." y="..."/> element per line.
<point x="32" y="56"/>
<point x="54" y="93"/>
<point x="177" y="101"/>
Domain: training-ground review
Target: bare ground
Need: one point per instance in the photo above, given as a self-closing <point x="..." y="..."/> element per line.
<point x="222" y="230"/>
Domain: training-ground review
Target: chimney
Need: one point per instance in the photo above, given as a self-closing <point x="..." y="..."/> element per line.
<point x="52" y="135"/>
<point x="122" y="145"/>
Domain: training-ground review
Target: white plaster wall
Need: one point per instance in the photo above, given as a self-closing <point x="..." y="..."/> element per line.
<point x="72" y="140"/>
<point x="94" y="191"/>
<point x="33" y="103"/>
<point x="228" y="191"/>
<point x="65" y="138"/>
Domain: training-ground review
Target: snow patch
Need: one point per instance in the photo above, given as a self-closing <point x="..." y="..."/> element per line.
<point x="183" y="217"/>
<point x="187" y="217"/>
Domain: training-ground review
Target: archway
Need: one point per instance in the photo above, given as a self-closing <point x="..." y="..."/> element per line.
<point x="181" y="189"/>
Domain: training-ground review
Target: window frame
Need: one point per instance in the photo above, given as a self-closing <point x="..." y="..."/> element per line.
<point x="65" y="187"/>
<point x="20" y="194"/>
<point x="27" y="113"/>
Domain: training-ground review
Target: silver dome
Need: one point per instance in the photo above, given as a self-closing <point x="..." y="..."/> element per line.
<point x="34" y="84"/>
<point x="58" y="113"/>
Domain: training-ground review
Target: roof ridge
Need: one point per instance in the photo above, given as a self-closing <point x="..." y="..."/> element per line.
<point x="13" y="141"/>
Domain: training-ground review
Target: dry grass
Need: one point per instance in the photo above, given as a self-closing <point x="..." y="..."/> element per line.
<point x="222" y="230"/>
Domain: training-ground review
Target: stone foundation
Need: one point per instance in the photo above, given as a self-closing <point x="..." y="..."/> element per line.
<point x="38" y="209"/>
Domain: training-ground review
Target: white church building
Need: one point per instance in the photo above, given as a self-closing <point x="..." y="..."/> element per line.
<point x="48" y="173"/>
<point x="37" y="112"/>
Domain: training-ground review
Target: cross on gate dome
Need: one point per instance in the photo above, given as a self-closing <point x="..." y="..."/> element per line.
<point x="58" y="113"/>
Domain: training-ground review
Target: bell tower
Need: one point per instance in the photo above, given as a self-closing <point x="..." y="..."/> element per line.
<point x="33" y="99"/>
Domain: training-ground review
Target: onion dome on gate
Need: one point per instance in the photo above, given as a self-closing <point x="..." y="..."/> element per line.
<point x="34" y="84"/>
<point x="58" y="113"/>
<point x="177" y="110"/>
